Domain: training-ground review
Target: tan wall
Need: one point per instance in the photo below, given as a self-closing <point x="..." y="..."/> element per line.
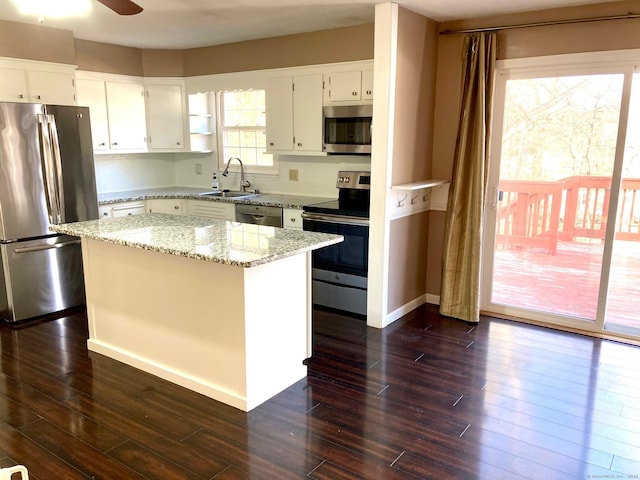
<point x="36" y="42"/>
<point x="163" y="63"/>
<point x="326" y="46"/>
<point x="515" y="43"/>
<point x="108" y="58"/>
<point x="412" y="150"/>
<point x="407" y="259"/>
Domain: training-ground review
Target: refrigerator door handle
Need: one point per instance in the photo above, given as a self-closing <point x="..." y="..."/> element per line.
<point x="57" y="162"/>
<point x="48" y="170"/>
<point x="39" y="248"/>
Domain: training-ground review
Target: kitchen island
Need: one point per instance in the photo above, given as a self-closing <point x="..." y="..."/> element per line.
<point x="221" y="308"/>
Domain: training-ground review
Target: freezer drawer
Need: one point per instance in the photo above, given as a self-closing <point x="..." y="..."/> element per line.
<point x="40" y="277"/>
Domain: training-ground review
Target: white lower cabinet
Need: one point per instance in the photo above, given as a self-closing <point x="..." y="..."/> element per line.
<point x="161" y="205"/>
<point x="216" y="210"/>
<point x="292" y="218"/>
<point x="122" y="209"/>
<point x="104" y="211"/>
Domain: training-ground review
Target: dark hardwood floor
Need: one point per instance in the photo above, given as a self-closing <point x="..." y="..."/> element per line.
<point x="427" y="397"/>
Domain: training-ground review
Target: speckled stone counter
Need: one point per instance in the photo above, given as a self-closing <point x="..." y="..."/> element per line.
<point x="230" y="243"/>
<point x="268" y="199"/>
<point x="171" y="295"/>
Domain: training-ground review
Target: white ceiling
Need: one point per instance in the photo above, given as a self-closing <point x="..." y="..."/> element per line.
<point x="195" y="23"/>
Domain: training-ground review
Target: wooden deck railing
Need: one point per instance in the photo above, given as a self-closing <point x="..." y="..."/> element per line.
<point x="538" y="214"/>
<point x="529" y="214"/>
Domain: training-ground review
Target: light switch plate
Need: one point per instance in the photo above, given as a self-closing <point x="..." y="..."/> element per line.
<point x="293" y="175"/>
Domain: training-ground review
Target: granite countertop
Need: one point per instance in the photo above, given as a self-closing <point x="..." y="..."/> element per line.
<point x="231" y="243"/>
<point x="268" y="199"/>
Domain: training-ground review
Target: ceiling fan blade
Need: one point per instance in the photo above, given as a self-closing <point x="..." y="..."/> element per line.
<point x="122" y="7"/>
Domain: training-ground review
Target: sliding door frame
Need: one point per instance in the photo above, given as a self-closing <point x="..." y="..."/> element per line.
<point x="619" y="62"/>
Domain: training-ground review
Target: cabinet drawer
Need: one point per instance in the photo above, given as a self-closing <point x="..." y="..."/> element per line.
<point x="170" y="206"/>
<point x="292" y="218"/>
<point x="217" y="210"/>
<point x="127" y="209"/>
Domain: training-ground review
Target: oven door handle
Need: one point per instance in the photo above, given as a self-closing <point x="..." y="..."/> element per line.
<point x="339" y="219"/>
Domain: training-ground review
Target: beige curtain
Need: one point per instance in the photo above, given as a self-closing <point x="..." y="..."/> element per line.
<point x="460" y="294"/>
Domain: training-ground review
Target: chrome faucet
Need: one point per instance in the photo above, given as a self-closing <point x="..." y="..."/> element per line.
<point x="244" y="183"/>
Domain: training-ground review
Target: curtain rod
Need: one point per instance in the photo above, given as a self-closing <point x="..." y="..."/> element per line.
<point x="541" y="24"/>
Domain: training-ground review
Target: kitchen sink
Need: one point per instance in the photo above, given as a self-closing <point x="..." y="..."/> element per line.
<point x="226" y="194"/>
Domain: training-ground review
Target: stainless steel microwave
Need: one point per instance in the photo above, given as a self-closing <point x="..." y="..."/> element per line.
<point x="347" y="129"/>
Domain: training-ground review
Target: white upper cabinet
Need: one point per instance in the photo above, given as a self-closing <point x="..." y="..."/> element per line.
<point x="345" y="86"/>
<point x="132" y="114"/>
<point x="307" y="113"/>
<point x="349" y="86"/>
<point x="279" y="114"/>
<point x="54" y="88"/>
<point x="91" y="93"/>
<point x="36" y="82"/>
<point x="117" y="109"/>
<point x="126" y="110"/>
<point x="367" y="85"/>
<point x="13" y="85"/>
<point x="294" y="114"/>
<point x="166" y="114"/>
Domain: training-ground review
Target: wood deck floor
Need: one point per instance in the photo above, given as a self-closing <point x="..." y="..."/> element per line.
<point x="426" y="398"/>
<point x="567" y="283"/>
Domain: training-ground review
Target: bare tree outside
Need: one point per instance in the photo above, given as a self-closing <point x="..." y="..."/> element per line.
<point x="558" y="150"/>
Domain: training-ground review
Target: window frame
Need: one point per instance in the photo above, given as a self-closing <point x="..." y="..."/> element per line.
<point x="221" y="161"/>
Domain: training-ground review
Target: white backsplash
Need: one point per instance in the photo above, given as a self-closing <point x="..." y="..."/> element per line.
<point x="116" y="173"/>
<point x="316" y="175"/>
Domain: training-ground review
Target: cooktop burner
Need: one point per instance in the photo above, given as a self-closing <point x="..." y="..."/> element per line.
<point x="334" y="207"/>
<point x="353" y="196"/>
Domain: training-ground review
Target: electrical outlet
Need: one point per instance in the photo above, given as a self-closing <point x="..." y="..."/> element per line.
<point x="293" y="175"/>
<point x="198" y="169"/>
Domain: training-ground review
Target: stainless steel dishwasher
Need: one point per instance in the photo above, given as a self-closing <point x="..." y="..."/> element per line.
<point x="259" y="215"/>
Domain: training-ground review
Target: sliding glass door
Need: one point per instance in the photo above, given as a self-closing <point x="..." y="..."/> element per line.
<point x="561" y="227"/>
<point x="623" y="294"/>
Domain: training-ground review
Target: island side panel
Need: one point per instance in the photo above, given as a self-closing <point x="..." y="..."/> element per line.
<point x="276" y="326"/>
<point x="178" y="318"/>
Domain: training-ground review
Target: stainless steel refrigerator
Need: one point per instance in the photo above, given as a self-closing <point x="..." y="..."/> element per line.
<point x="46" y="177"/>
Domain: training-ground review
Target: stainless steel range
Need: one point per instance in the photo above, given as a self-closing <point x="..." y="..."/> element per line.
<point x="340" y="271"/>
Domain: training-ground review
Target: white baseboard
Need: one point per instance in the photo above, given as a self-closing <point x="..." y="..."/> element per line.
<point x="404" y="309"/>
<point x="433" y="299"/>
<point x="410" y="306"/>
